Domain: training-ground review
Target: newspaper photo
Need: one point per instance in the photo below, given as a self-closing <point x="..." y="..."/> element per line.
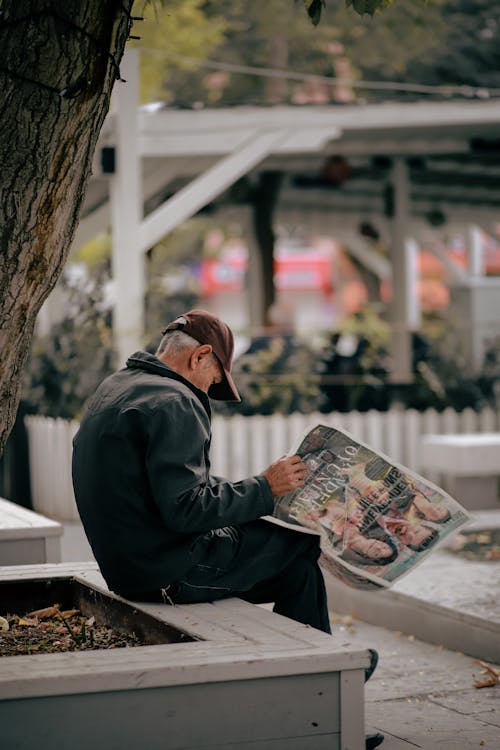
<point x="377" y="520"/>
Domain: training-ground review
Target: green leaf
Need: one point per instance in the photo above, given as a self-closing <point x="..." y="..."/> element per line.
<point x="366" y="6"/>
<point x="314" y="8"/>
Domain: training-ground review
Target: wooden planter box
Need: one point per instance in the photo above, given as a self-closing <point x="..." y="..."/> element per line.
<point x="222" y="675"/>
<point x="27" y="537"/>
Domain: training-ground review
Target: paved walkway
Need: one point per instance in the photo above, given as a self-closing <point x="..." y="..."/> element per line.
<point x="421" y="695"/>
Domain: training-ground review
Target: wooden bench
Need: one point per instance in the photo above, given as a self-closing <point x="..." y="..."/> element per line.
<point x="27" y="537"/>
<point x="249" y="679"/>
<point x="467" y="466"/>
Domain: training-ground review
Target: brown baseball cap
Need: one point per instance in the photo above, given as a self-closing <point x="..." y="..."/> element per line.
<point x="208" y="329"/>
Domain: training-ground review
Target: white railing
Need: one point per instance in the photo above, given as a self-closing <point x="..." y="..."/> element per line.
<point x="243" y="446"/>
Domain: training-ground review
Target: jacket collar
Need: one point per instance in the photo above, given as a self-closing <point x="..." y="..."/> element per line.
<point x="149" y="363"/>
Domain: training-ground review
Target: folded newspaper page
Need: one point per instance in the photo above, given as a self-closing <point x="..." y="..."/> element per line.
<point x="377" y="520"/>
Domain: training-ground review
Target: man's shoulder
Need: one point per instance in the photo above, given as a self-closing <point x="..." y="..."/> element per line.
<point x="138" y="390"/>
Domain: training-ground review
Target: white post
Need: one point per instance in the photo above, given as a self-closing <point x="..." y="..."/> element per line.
<point x="126" y="214"/>
<point x="475" y="251"/>
<point x="401" y="344"/>
<point x="413" y="311"/>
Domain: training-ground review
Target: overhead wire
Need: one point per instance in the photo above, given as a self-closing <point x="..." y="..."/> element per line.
<point x="449" y="90"/>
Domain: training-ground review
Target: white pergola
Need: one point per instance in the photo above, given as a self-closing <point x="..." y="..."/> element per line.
<point x="409" y="161"/>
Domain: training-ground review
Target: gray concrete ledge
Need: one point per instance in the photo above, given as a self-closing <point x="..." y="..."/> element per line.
<point x="447" y="601"/>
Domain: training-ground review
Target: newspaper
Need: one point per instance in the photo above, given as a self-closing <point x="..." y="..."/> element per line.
<point x="376" y="519"/>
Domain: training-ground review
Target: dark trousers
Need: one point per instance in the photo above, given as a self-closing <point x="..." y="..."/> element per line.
<point x="260" y="562"/>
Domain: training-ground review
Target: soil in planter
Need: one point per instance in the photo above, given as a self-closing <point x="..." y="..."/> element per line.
<point x="52" y="629"/>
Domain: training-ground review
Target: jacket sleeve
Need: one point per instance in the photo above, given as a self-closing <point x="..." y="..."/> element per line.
<point x="189" y="499"/>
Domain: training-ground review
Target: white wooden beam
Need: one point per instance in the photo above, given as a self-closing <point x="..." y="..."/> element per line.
<point x="126" y="211"/>
<point x="207" y="186"/>
<point x="475" y="251"/>
<point x="437" y="248"/>
<point x="361" y="250"/>
<point x="413" y="316"/>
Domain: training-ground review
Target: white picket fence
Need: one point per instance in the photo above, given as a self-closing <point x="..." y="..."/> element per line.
<point x="243" y="446"/>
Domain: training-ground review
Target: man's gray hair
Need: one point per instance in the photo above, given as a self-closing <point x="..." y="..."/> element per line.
<point x="174" y="342"/>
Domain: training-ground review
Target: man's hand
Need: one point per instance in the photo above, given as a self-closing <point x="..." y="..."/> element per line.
<point x="286" y="475"/>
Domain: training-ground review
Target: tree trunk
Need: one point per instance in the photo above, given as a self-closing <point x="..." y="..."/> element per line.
<point x="57" y="71"/>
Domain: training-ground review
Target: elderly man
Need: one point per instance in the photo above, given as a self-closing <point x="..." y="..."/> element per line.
<point x="160" y="525"/>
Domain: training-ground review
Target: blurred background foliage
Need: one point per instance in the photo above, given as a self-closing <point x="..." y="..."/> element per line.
<point x="191" y="50"/>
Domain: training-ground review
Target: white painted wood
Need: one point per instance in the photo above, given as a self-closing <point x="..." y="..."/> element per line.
<point x="207" y="186"/>
<point x="48" y="570"/>
<point x="166" y="132"/>
<point x="431" y="421"/>
<point x="27" y="537"/>
<point x="438" y="249"/>
<point x="413" y="312"/>
<point x="18" y="551"/>
<point x="177" y="136"/>
<point x="126" y="213"/>
<point x="488" y="420"/>
<point x="352" y="718"/>
<point x="52" y="550"/>
<point x="450" y="421"/>
<point x="263" y="614"/>
<point x="463" y="455"/>
<point x="355" y="425"/>
<point x="360" y="249"/>
<point x="260" y="652"/>
<point x="280" y="439"/>
<point x="243" y="446"/>
<point x="394" y="446"/>
<point x="17" y="522"/>
<point x="173" y="664"/>
<point x="258" y="680"/>
<point x="475" y="251"/>
<point x="411" y="429"/>
<point x="299" y="712"/>
<point x="219" y="454"/>
<point x="375" y="430"/>
<point x="261" y="445"/>
<point x="468" y="421"/>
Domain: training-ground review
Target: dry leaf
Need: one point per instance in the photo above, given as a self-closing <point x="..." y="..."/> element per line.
<point x="4" y="624"/>
<point x="90" y="621"/>
<point x="27" y="621"/>
<point x="42" y="614"/>
<point x="493" y="675"/>
<point x="70" y="612"/>
<point x="490" y="682"/>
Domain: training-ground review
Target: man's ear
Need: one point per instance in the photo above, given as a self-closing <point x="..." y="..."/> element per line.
<point x="199" y="354"/>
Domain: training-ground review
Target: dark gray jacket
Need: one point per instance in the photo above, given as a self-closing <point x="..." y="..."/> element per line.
<point x="141" y="474"/>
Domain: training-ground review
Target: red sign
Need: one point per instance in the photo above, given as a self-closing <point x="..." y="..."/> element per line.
<point x="311" y="271"/>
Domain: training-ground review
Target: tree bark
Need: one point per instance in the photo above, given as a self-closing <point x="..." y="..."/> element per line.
<point x="57" y="72"/>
